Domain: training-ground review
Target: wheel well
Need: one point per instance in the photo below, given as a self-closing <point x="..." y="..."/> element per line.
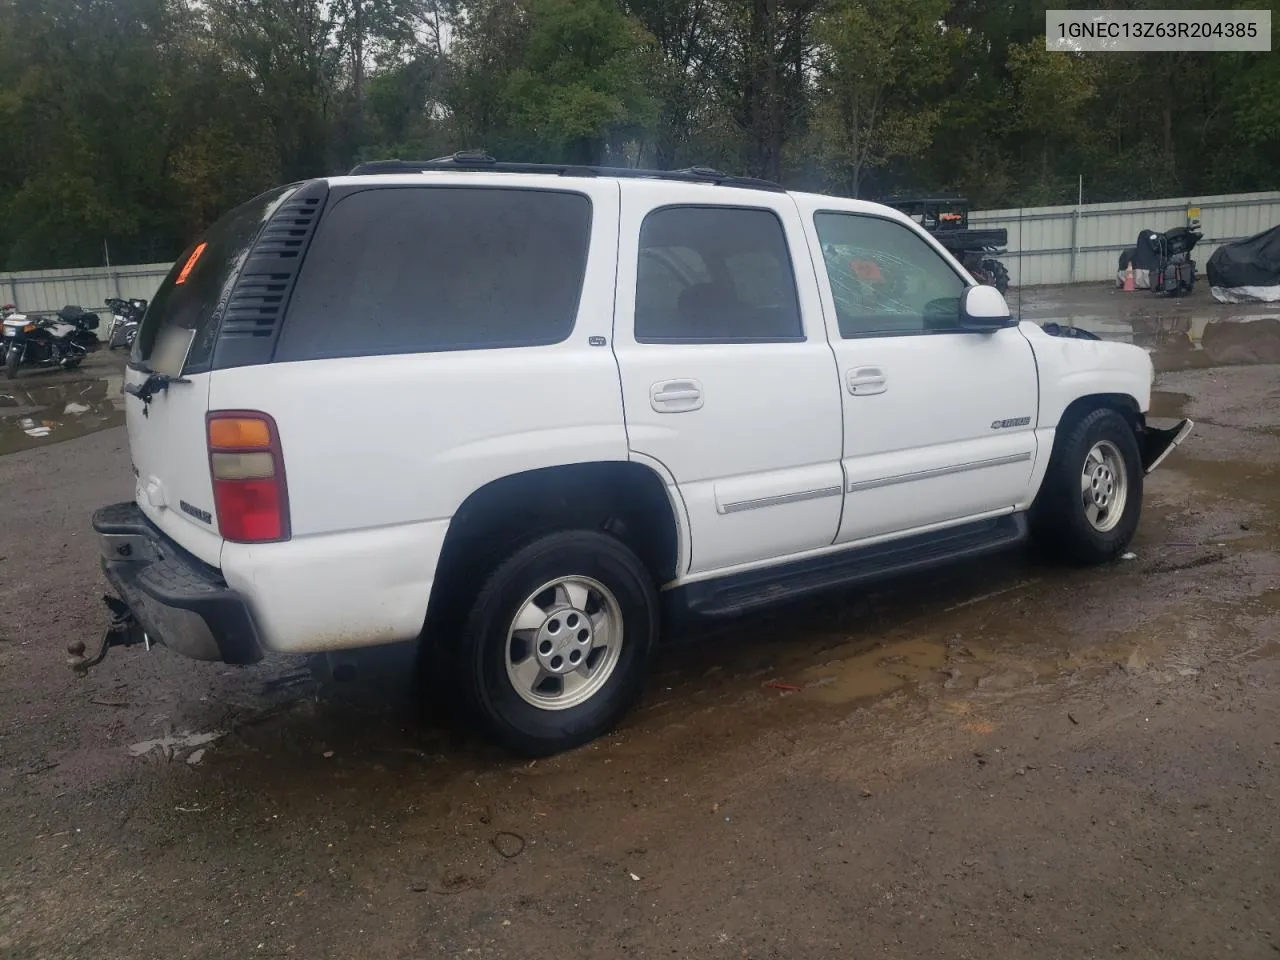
<point x="1122" y="403"/>
<point x="624" y="499"/>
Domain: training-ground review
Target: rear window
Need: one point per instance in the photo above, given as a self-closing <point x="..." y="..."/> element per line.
<point x="420" y="269"/>
<point x="211" y="265"/>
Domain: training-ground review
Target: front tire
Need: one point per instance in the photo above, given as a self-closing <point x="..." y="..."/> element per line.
<point x="12" y="361"/>
<point x="1089" y="505"/>
<point x="558" y="643"/>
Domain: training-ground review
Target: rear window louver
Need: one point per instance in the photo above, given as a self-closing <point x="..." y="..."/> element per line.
<point x="251" y="319"/>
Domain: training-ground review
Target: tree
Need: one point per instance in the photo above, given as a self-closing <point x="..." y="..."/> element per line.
<point x="879" y="61"/>
<point x="690" y="41"/>
<point x="82" y="119"/>
<point x="1052" y="92"/>
<point x="284" y="51"/>
<point x="139" y="122"/>
<point x="553" y="79"/>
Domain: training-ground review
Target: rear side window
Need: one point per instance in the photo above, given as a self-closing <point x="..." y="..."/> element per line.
<point x="420" y="269"/>
<point x="201" y="279"/>
<point x="715" y="275"/>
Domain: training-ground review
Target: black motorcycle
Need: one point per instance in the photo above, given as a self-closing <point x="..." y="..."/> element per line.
<point x="125" y="317"/>
<point x="1175" y="271"/>
<point x="62" y="340"/>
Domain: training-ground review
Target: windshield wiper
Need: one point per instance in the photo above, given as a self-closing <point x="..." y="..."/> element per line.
<point x="148" y="388"/>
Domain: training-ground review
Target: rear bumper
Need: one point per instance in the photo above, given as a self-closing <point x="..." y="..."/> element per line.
<point x="179" y="601"/>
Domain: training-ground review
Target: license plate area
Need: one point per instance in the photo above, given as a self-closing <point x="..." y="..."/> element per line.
<point x="127" y="546"/>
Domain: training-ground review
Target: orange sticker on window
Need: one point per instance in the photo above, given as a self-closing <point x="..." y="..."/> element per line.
<point x="191" y="262"/>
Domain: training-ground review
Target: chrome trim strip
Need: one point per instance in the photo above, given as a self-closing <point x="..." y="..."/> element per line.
<point x="783" y="498"/>
<point x="939" y="472"/>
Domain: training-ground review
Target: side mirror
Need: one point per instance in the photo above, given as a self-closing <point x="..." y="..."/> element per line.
<point x="983" y="308"/>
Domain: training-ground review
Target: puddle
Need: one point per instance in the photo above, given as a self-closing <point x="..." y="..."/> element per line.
<point x="1245" y="480"/>
<point x="37" y="415"/>
<point x="1190" y="332"/>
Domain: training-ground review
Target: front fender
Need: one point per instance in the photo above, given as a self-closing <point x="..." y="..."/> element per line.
<point x="1070" y="368"/>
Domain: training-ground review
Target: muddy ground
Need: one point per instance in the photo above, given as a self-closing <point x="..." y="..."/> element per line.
<point x="1006" y="760"/>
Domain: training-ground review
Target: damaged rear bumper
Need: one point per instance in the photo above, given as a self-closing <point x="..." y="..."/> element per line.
<point x="177" y="600"/>
<point x="1155" y="444"/>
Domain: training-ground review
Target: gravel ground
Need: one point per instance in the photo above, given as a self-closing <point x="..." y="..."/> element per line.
<point x="1006" y="760"/>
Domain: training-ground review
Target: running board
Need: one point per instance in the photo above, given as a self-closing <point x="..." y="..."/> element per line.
<point x="741" y="592"/>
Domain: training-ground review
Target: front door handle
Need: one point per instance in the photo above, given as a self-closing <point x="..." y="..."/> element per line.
<point x="675" y="396"/>
<point x="867" y="381"/>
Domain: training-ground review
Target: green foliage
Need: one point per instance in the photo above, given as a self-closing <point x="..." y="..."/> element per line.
<point x="880" y="63"/>
<point x="135" y="123"/>
<point x="555" y="80"/>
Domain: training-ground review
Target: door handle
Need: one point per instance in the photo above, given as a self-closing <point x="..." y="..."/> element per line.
<point x="675" y="396"/>
<point x="867" y="381"/>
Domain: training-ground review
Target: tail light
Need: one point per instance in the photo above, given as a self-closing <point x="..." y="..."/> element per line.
<point x="247" y="467"/>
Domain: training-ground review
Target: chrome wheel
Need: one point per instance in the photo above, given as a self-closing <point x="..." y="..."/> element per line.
<point x="564" y="643"/>
<point x="1104" y="486"/>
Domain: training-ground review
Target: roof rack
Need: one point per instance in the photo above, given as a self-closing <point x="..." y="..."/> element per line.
<point x="479" y="162"/>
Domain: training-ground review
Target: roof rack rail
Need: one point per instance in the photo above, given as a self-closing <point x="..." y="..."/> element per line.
<point x="479" y="162"/>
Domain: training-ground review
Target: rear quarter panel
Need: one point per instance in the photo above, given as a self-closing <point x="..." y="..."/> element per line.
<point x="381" y="451"/>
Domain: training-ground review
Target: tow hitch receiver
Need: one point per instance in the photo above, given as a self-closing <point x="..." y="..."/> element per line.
<point x="123" y="631"/>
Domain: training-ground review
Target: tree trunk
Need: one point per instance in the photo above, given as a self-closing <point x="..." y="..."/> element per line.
<point x="764" y="111"/>
<point x="357" y="71"/>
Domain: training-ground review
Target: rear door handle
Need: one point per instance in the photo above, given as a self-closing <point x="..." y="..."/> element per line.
<point x="675" y="396"/>
<point x="867" y="381"/>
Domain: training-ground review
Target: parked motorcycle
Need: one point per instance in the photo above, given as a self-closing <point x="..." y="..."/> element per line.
<point x="9" y="312"/>
<point x="62" y="340"/>
<point x="1175" y="271"/>
<point x="125" y="317"/>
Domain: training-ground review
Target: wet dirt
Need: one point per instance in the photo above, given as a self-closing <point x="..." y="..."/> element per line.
<point x="41" y="407"/>
<point x="1007" y="759"/>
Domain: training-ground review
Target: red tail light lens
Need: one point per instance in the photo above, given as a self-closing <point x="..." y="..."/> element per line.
<point x="247" y="467"/>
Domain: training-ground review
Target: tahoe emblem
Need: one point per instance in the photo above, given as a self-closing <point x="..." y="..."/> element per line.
<point x="1006" y="424"/>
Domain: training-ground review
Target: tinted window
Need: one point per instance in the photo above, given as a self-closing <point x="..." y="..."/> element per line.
<point x="417" y="269"/>
<point x="885" y="278"/>
<point x="193" y="303"/>
<point x="714" y="274"/>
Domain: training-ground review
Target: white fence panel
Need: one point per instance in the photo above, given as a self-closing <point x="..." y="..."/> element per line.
<point x="1067" y="244"/>
<point x="43" y="291"/>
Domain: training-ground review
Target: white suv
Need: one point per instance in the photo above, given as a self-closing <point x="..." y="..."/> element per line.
<point x="514" y="410"/>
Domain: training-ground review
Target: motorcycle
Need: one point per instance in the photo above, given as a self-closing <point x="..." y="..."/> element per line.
<point x="62" y="340"/>
<point x="125" y="317"/>
<point x="1175" y="271"/>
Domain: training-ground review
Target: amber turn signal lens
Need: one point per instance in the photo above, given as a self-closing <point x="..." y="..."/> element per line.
<point x="238" y="433"/>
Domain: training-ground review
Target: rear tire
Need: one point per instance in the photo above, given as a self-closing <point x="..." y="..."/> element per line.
<point x="558" y="643"/>
<point x="999" y="274"/>
<point x="12" y="361"/>
<point x="1089" y="505"/>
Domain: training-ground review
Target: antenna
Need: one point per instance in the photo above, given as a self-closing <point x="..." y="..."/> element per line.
<point x="1020" y="221"/>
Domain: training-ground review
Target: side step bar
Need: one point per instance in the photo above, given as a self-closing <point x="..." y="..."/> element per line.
<point x="737" y="593"/>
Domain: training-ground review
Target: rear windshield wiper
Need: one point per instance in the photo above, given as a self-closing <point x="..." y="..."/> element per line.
<point x="155" y="383"/>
